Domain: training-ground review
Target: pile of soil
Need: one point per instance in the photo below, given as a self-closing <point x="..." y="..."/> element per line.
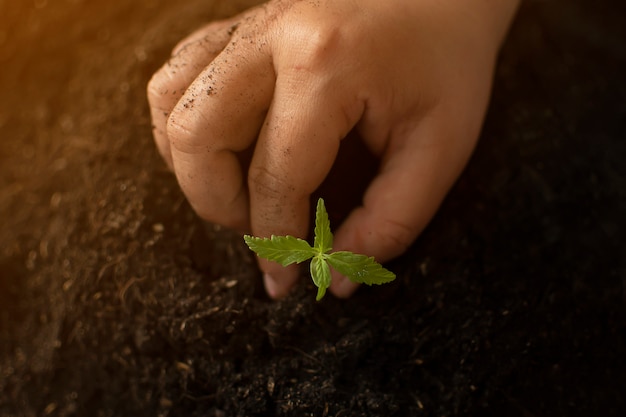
<point x="115" y="300"/>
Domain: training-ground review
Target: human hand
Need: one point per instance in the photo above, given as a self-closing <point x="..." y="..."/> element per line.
<point x="291" y="78"/>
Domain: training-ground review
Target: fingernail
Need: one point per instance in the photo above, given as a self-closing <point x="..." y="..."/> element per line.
<point x="271" y="286"/>
<point x="342" y="287"/>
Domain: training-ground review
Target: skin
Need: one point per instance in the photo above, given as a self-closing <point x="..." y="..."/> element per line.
<point x="286" y="82"/>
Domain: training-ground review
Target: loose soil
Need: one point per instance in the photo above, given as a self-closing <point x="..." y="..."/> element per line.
<point x="115" y="300"/>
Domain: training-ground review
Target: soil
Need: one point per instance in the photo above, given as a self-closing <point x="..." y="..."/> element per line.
<point x="115" y="300"/>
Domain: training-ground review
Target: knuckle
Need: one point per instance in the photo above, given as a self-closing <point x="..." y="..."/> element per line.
<point x="160" y="86"/>
<point x="396" y="236"/>
<point x="165" y="85"/>
<point x="266" y="183"/>
<point x="179" y="132"/>
<point x="316" y="47"/>
<point x="156" y="87"/>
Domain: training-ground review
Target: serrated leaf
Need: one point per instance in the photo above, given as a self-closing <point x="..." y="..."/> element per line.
<point x="320" y="272"/>
<point x="285" y="250"/>
<point x="360" y="268"/>
<point x="323" y="236"/>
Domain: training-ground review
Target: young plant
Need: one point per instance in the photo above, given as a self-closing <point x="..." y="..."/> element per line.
<point x="287" y="250"/>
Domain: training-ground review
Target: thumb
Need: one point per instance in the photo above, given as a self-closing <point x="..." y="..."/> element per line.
<point x="400" y="201"/>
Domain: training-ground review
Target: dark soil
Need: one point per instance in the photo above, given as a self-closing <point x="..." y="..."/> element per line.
<point x="115" y="300"/>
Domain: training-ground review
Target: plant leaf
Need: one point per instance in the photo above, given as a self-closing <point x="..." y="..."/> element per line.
<point x="320" y="272"/>
<point x="360" y="268"/>
<point x="285" y="250"/>
<point x="323" y="236"/>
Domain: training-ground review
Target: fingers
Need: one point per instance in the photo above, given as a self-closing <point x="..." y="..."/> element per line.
<point x="169" y="83"/>
<point x="218" y="32"/>
<point x="295" y="151"/>
<point x="402" y="199"/>
<point x="219" y="115"/>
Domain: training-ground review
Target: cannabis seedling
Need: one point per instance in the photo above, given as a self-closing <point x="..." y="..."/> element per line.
<point x="287" y="250"/>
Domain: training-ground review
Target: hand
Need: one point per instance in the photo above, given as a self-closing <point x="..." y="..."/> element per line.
<point x="290" y="79"/>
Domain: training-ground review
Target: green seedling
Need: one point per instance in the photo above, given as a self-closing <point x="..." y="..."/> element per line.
<point x="287" y="250"/>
